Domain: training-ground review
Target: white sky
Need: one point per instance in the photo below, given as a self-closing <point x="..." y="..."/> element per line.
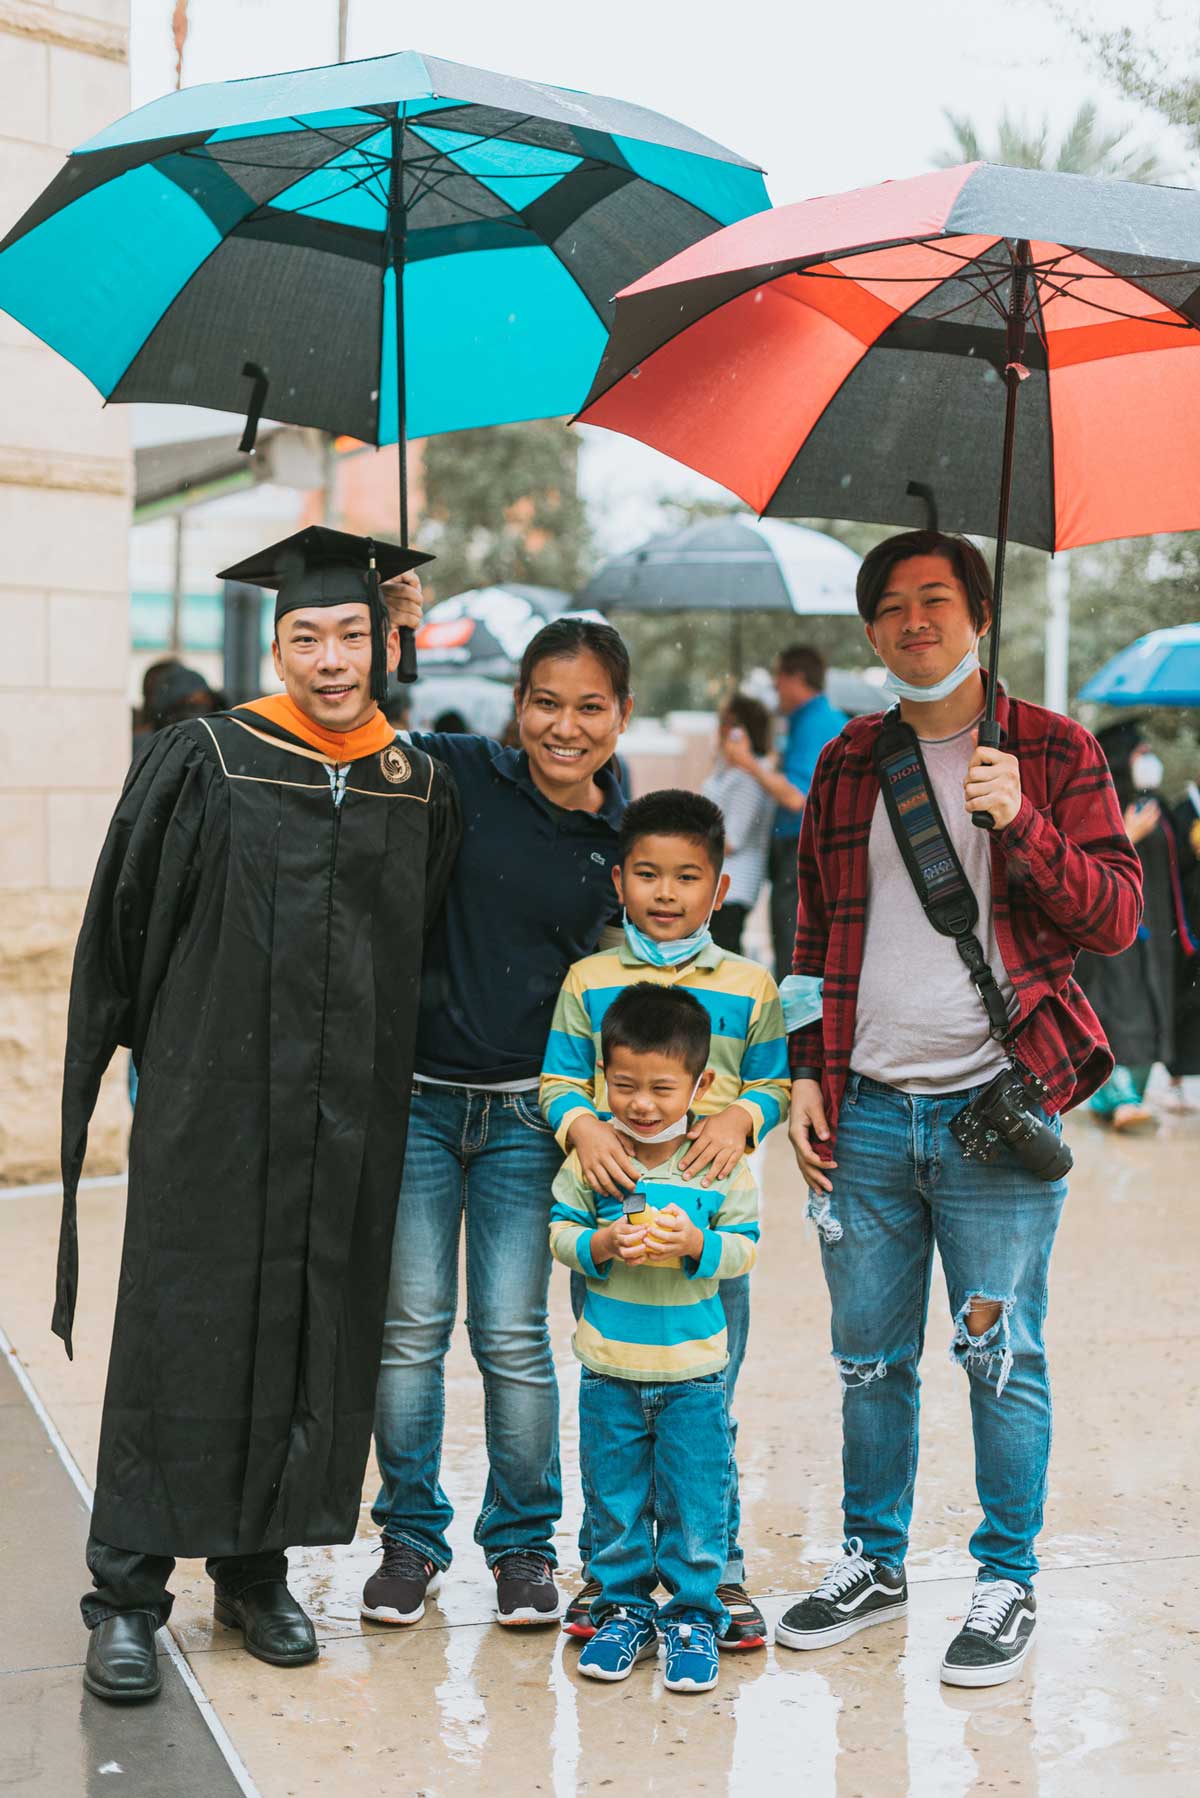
<point x="824" y="94"/>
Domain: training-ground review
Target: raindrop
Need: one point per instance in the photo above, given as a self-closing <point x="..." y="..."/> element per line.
<point x="634" y="373"/>
<point x="845" y="481"/>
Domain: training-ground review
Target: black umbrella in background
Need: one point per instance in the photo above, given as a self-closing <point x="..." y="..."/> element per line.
<point x="735" y="565"/>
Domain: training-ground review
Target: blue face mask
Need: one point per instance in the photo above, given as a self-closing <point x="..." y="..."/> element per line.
<point x="903" y="689"/>
<point x="666" y="955"/>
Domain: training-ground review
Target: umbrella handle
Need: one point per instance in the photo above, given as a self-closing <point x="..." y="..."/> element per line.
<point x="989" y="737"/>
<point x="407" y="671"/>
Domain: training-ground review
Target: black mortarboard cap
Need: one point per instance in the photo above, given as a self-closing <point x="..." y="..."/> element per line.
<point x="321" y="567"/>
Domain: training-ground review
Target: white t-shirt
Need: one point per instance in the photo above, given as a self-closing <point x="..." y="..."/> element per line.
<point x="920" y="1024"/>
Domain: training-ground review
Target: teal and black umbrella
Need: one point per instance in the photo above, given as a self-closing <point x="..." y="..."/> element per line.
<point x="385" y="249"/>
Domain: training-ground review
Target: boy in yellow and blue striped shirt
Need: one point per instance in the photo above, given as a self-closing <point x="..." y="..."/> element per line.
<point x="654" y="1438"/>
<point x="669" y="878"/>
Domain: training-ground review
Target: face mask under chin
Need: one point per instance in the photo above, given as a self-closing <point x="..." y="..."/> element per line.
<point x="899" y="688"/>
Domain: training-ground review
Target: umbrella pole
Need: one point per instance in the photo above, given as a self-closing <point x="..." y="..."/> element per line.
<point x="407" y="671"/>
<point x="1014" y="374"/>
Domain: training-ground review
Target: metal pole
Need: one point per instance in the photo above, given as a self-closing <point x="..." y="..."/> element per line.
<point x="1014" y="374"/>
<point x="1058" y="632"/>
<point x="407" y="670"/>
<point x="175" y="636"/>
<point x="343" y="22"/>
<point x="396" y="236"/>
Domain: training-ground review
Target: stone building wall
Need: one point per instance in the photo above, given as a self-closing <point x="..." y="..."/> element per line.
<point x="64" y="605"/>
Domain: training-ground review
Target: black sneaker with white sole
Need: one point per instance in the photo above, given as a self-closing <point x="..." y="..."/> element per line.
<point x="856" y="1593"/>
<point x="747" y="1627"/>
<point x="525" y="1589"/>
<point x="396" y="1591"/>
<point x="993" y="1642"/>
<point x="577" y="1618"/>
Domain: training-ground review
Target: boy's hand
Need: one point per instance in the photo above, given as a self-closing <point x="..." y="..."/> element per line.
<point x="603" y="1160"/>
<point x="672" y="1232"/>
<point x="621" y="1238"/>
<point x="404" y="600"/>
<point x="808" y="1122"/>
<point x="718" y="1143"/>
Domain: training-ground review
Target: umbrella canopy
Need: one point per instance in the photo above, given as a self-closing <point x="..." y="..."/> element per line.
<point x="847" y="357"/>
<point x="395" y="247"/>
<point x="487" y="705"/>
<point x="484" y="631"/>
<point x="821" y="358"/>
<point x="733" y="565"/>
<point x="1162" y="668"/>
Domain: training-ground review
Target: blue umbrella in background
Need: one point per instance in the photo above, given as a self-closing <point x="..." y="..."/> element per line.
<point x="385" y="249"/>
<point x="1162" y="668"/>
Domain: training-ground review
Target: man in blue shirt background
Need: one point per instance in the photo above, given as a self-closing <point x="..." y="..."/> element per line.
<point x="799" y="676"/>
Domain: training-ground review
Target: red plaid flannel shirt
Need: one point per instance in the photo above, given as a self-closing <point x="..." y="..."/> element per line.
<point x="1065" y="877"/>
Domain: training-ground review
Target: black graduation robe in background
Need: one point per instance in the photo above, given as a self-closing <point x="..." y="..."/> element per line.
<point x="260" y="952"/>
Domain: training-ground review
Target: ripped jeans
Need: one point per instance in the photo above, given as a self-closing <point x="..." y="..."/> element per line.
<point x="902" y="1185"/>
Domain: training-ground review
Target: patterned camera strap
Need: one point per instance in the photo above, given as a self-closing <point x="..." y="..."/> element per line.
<point x="930" y="857"/>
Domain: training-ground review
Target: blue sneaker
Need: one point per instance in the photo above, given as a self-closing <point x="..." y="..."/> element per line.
<point x="619" y="1643"/>
<point x="691" y="1657"/>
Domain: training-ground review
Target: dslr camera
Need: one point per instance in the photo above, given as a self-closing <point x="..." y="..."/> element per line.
<point x="1007" y="1115"/>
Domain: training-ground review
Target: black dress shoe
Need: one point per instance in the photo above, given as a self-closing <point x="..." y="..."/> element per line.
<point x="273" y="1626"/>
<point x="122" y="1664"/>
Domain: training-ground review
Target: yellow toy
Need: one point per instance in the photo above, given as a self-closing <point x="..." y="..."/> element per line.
<point x="638" y="1212"/>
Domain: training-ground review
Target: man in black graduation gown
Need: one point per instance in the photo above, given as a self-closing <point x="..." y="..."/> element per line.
<point x="254" y="935"/>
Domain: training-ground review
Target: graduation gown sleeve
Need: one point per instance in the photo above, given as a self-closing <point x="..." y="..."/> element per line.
<point x="139" y="899"/>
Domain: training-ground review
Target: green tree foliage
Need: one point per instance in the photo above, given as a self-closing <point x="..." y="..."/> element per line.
<point x="1133" y="63"/>
<point x="1085" y="148"/>
<point x="503" y="505"/>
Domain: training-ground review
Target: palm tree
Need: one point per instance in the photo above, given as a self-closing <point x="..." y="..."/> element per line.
<point x="1084" y="149"/>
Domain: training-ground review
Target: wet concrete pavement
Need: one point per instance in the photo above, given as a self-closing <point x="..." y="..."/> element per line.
<point x="1106" y="1705"/>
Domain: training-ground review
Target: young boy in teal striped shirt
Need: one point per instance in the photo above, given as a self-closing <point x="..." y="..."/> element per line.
<point x="654" y="1438"/>
<point x="669" y="879"/>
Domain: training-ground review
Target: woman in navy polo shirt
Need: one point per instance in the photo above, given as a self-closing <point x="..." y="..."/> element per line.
<point x="531" y="892"/>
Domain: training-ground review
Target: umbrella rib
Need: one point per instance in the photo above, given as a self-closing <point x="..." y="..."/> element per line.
<point x="1064" y="292"/>
<point x="268" y="209"/>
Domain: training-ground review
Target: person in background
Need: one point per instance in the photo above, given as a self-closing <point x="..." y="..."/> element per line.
<point x="1185" y="824"/>
<point x="749" y="812"/>
<point x="397" y="707"/>
<point x="143" y="721"/>
<point x="811" y="723"/>
<point x="178" y="694"/>
<point x="1133" y="993"/>
<point x="451" y="724"/>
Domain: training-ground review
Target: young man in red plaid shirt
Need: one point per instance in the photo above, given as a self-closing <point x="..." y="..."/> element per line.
<point x="903" y="1045"/>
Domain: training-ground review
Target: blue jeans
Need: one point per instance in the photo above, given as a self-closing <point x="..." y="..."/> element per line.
<point x="735" y="1302"/>
<point x="488" y="1159"/>
<point x="655" y="1464"/>
<point x="902" y="1185"/>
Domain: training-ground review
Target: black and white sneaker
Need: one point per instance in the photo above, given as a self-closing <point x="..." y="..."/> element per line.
<point x="855" y="1593"/>
<point x="747" y="1627"/>
<point x="396" y="1591"/>
<point x="525" y="1589"/>
<point x="993" y="1642"/>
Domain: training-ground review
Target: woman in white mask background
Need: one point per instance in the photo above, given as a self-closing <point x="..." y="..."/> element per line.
<point x="1134" y="993"/>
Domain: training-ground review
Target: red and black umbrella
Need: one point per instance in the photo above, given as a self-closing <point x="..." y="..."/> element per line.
<point x="845" y="357"/>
